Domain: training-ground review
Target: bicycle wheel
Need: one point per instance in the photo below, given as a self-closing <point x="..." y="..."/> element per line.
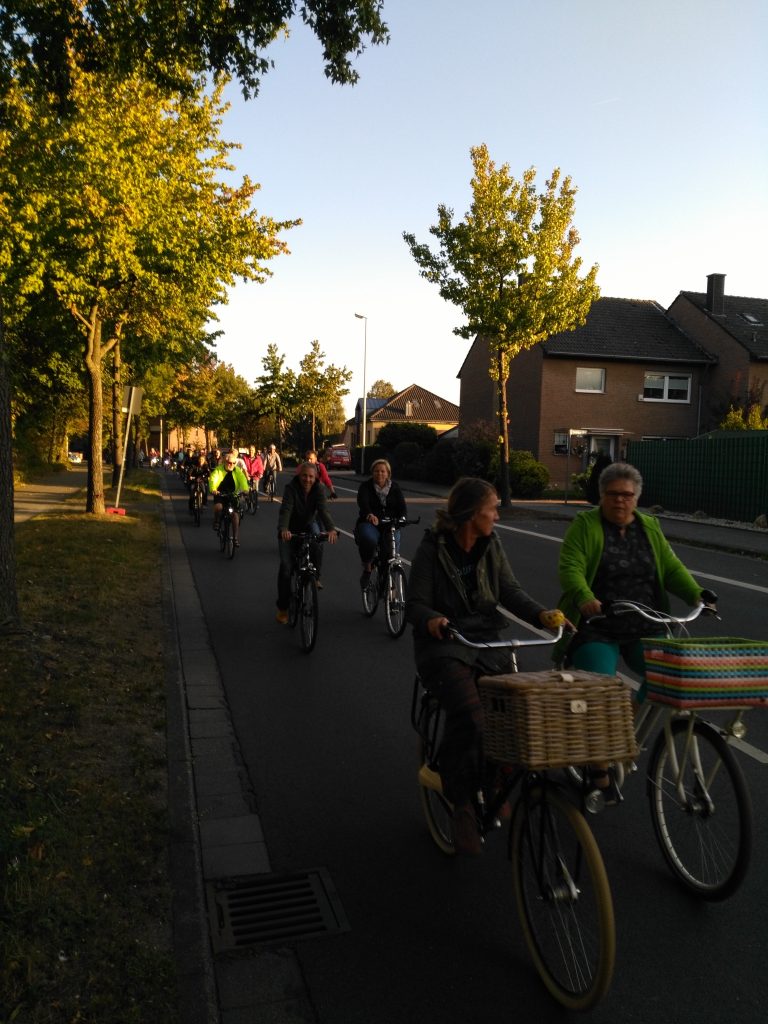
<point x="563" y="898"/>
<point x="253" y="502"/>
<point x="370" y="593"/>
<point x="438" y="812"/>
<point x="294" y="600"/>
<point x="230" y="541"/>
<point x="196" y="510"/>
<point x="394" y="602"/>
<point x="223" y="533"/>
<point x="308" y="612"/>
<point x="705" y="835"/>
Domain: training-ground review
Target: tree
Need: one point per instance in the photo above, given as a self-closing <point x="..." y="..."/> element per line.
<point x="750" y="418"/>
<point x="510" y="266"/>
<point x="141" y="237"/>
<point x="381" y="389"/>
<point x="320" y="388"/>
<point x="165" y="40"/>
<point x="276" y="390"/>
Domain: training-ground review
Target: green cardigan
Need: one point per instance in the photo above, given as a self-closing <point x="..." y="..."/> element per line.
<point x="580" y="559"/>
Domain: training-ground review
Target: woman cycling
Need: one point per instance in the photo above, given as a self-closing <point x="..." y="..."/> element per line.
<point x="377" y="498"/>
<point x="460" y="574"/>
<point x="612" y="552"/>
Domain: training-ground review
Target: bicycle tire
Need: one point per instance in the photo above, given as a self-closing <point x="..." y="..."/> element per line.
<point x="196" y="511"/>
<point x="394" y="602"/>
<point x="567" y="916"/>
<point x="223" y="530"/>
<point x="294" y="600"/>
<point x="438" y="812"/>
<point x="309" y="613"/>
<point x="370" y="593"/>
<point x="231" y="548"/>
<point x="707" y="845"/>
<point x="253" y="502"/>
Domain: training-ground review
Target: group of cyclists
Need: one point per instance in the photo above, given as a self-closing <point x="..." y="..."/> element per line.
<point x="461" y="576"/>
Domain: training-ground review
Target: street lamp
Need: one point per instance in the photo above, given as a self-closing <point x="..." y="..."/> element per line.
<point x="365" y="400"/>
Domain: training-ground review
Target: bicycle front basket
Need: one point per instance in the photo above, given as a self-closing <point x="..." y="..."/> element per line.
<point x="553" y="719"/>
<point x="706" y="671"/>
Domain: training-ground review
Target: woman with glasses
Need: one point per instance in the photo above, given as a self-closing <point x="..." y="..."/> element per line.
<point x="225" y="481"/>
<point x="612" y="552"/>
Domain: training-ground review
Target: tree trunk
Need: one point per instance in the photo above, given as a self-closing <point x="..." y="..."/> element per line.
<point x="503" y="377"/>
<point x="95" y="492"/>
<point x="117" y="414"/>
<point x="9" y="605"/>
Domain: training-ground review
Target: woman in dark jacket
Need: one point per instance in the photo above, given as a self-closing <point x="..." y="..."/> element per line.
<point x="377" y="498"/>
<point x="459" y="575"/>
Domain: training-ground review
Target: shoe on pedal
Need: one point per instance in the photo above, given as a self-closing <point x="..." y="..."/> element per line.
<point x="282" y="616"/>
<point x="319" y="583"/>
<point x="365" y="579"/>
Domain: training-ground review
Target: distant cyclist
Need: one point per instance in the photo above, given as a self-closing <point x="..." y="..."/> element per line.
<point x="254" y="467"/>
<point x="273" y="465"/>
<point x="225" y="482"/>
<point x="377" y="498"/>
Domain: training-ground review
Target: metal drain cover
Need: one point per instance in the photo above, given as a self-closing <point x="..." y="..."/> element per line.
<point x="263" y="910"/>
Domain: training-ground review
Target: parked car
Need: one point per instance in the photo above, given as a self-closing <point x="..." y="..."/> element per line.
<point x="338" y="458"/>
<point x="75" y="456"/>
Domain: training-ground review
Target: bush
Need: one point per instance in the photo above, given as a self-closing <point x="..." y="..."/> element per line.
<point x="439" y="465"/>
<point x="394" y="434"/>
<point x="406" y="460"/>
<point x="527" y="477"/>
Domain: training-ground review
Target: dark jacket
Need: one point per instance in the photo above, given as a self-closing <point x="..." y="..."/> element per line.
<point x="299" y="509"/>
<point x="369" y="502"/>
<point x="435" y="588"/>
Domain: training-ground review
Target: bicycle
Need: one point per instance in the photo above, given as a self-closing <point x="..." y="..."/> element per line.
<point x="303" y="602"/>
<point x="225" y="532"/>
<point x="699" y="801"/>
<point x="198" y="493"/>
<point x="387" y="577"/>
<point x="561" y="885"/>
<point x="269" y="483"/>
<point x="251" y="499"/>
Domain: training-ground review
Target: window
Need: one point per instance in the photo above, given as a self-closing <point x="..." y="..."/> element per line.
<point x="560" y="446"/>
<point x="666" y="387"/>
<point x="590" y="378"/>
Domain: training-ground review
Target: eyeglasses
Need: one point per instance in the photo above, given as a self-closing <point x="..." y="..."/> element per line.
<point x="620" y="495"/>
<point x="231" y="463"/>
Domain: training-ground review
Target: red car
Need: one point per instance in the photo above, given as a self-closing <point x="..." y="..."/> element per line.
<point x="339" y="458"/>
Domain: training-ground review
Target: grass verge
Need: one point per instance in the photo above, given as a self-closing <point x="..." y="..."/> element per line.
<point x="85" y="934"/>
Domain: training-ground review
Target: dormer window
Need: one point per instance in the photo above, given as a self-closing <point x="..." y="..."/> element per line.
<point x="752" y="320"/>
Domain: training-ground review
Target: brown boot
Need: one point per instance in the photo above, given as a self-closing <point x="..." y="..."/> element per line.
<point x="466" y="836"/>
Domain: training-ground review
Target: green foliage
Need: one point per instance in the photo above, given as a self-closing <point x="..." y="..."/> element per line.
<point x="319" y="390"/>
<point x="393" y="434"/>
<point x="406" y="459"/>
<point x="439" y="463"/>
<point x="750" y="418"/>
<point x="527" y="477"/>
<point x="509" y="265"/>
<point x="381" y="389"/>
<point x="165" y="41"/>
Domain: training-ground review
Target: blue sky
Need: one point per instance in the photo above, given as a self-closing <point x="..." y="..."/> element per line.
<point x="657" y="111"/>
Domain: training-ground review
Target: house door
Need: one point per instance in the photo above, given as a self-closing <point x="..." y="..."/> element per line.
<point x="602" y="444"/>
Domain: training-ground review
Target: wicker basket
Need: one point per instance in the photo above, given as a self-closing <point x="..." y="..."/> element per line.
<point x="706" y="672"/>
<point x="553" y="719"/>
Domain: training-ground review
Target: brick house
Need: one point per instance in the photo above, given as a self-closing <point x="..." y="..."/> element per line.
<point x="629" y="373"/>
<point x="735" y="330"/>
<point x="412" y="405"/>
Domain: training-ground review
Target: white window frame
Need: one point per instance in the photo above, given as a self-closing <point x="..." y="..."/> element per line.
<point x="666" y="378"/>
<point x="589" y="370"/>
<point x="560" y="442"/>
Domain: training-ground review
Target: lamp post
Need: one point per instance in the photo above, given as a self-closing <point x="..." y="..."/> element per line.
<point x="365" y="399"/>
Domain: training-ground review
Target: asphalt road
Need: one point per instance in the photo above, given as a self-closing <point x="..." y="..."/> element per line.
<point x="328" y="748"/>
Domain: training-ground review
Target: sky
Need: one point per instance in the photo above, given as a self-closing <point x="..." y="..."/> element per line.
<point x="657" y="111"/>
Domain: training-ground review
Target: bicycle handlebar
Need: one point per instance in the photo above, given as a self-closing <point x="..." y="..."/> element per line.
<point x="623" y="606"/>
<point x="453" y="634"/>
<point x="309" y="535"/>
<point x="398" y="521"/>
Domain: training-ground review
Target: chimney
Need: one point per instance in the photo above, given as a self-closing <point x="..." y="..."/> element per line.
<point x="716" y="294"/>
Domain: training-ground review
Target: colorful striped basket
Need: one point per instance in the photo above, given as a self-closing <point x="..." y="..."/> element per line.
<point x="706" y="672"/>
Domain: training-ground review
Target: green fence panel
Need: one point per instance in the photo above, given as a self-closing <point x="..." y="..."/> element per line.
<point x="723" y="475"/>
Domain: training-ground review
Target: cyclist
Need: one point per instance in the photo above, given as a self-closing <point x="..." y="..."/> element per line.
<point x="612" y="552"/>
<point x="322" y="472"/>
<point x="459" y="575"/>
<point x="273" y="464"/>
<point x="254" y="467"/>
<point x="226" y="480"/>
<point x="303" y="502"/>
<point x="198" y="470"/>
<point x="377" y="497"/>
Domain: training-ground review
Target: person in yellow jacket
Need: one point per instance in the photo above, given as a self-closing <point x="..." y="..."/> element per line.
<point x="227" y="480"/>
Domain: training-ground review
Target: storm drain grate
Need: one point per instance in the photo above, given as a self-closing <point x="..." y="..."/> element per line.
<point x="268" y="909"/>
